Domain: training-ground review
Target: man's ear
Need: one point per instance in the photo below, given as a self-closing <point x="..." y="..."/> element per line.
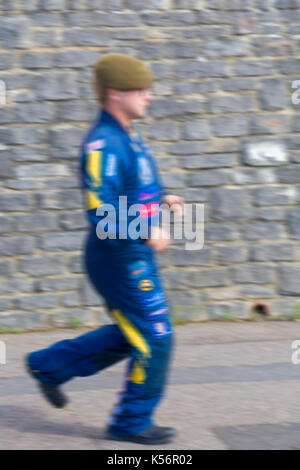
<point x="114" y="95"/>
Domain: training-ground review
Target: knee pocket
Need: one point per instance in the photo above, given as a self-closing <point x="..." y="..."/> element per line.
<point x="161" y="349"/>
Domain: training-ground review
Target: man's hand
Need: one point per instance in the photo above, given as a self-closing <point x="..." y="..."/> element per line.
<point x="175" y="203"/>
<point x="159" y="239"/>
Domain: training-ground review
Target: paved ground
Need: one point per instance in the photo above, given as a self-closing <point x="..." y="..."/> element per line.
<point x="232" y="386"/>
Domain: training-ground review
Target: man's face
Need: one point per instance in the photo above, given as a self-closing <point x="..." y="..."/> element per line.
<point x="135" y="103"/>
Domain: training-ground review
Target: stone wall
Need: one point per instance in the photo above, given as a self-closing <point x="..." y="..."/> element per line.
<point x="223" y="127"/>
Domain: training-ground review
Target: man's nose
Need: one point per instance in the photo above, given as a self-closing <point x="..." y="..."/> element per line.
<point x="149" y="96"/>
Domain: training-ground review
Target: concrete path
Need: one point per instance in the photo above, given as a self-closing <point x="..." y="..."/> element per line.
<point x="232" y="386"/>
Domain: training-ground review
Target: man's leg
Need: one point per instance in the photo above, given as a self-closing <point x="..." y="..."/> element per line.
<point x="146" y="376"/>
<point x="142" y="313"/>
<point x="79" y="357"/>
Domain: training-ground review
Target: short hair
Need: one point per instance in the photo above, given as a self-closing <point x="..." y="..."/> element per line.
<point x="100" y="90"/>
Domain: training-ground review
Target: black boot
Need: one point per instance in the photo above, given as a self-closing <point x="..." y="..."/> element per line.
<point x="152" y="435"/>
<point x="52" y="394"/>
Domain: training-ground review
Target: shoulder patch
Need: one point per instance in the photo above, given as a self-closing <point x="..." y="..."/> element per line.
<point x="95" y="145"/>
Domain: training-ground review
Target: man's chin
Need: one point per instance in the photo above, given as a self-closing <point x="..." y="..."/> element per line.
<point x="139" y="115"/>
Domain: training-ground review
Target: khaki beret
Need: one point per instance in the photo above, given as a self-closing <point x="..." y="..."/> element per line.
<point x="123" y="72"/>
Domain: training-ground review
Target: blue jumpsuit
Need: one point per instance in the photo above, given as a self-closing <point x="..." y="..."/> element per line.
<point x="123" y="270"/>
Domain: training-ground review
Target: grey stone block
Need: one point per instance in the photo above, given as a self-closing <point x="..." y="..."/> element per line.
<point x="73" y="221"/>
<point x="238" y="5"/>
<point x="28" y="154"/>
<point x="53" y="4"/>
<point x="196" y="130"/>
<point x="70" y="317"/>
<point x="174" y="280"/>
<point x="22" y="135"/>
<point x="23" y="321"/>
<point x="24" y="185"/>
<point x="228" y="126"/>
<point x="77" y="58"/>
<point x="289" y="66"/>
<point x="57" y="284"/>
<point x="6" y="303"/>
<point x="274" y="196"/>
<point x="7" y="224"/>
<point x="42" y="19"/>
<point x="15" y="32"/>
<point x="42" y="170"/>
<point x="6" y="268"/>
<point x="231" y="204"/>
<point x="271" y="213"/>
<point x="47" y="38"/>
<point x="225" y="48"/>
<point x="273" y="46"/>
<point x="264" y="153"/>
<point x="62" y="183"/>
<point x="16" y="285"/>
<point x="37" y="301"/>
<point x="231" y="104"/>
<point x="288" y="308"/>
<point x="5" y="164"/>
<point x="180" y="49"/>
<point x="207" y="178"/>
<point x="55" y="86"/>
<point x="71" y="299"/>
<point x="221" y="232"/>
<point x="66" y="199"/>
<point x="272" y="252"/>
<point x="170" y="18"/>
<point x="253" y="274"/>
<point x="272" y="94"/>
<point x="77" y="264"/>
<point x="261" y="231"/>
<point x="38" y="60"/>
<point x="164" y="131"/>
<point x="90" y="295"/>
<point x="71" y="241"/>
<point x="34" y="113"/>
<point x="37" y="266"/>
<point x="208" y="161"/>
<point x="121" y="18"/>
<point x="207" y="32"/>
<point x="82" y="37"/>
<point x="186" y="305"/>
<point x="66" y="137"/>
<point x="75" y="111"/>
<point x="294" y="223"/>
<point x="245" y="22"/>
<point x="257" y="292"/>
<point x="188" y="258"/>
<point x="35" y="222"/>
<point x="238" y="84"/>
<point x="194" y="195"/>
<point x="253" y="68"/>
<point x="6" y="61"/>
<point x="270" y="124"/>
<point x="230" y="310"/>
<point x="15" y="202"/>
<point x="208" y="277"/>
<point x="288" y="175"/>
<point x="253" y="176"/>
<point x="202" y="69"/>
<point x="10" y="246"/>
<point x="230" y="254"/>
<point x="289" y="280"/>
<point x="174" y="179"/>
